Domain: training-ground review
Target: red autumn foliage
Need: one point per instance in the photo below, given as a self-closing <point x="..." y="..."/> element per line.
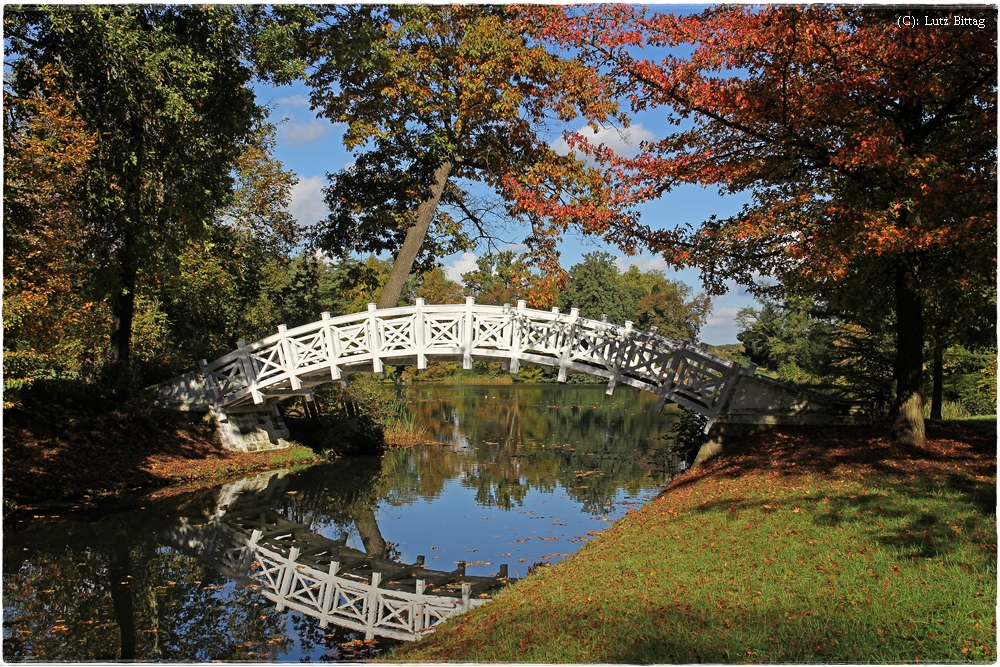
<point x="862" y="141"/>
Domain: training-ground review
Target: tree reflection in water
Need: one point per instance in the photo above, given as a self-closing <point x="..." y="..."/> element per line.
<point x="108" y="585"/>
<point x="505" y="440"/>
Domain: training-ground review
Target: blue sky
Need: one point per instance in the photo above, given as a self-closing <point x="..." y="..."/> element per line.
<point x="311" y="147"/>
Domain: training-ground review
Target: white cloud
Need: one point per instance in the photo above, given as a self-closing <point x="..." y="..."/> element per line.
<point x="294" y="100"/>
<point x="643" y="262"/>
<point x="722" y="317"/>
<point x="624" y="141"/>
<point x="300" y="134"/>
<point x="307" y="204"/>
<point x="463" y="264"/>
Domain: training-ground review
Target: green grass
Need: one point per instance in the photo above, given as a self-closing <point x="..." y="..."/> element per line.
<point x="295" y="453"/>
<point x="986" y="422"/>
<point x="797" y="549"/>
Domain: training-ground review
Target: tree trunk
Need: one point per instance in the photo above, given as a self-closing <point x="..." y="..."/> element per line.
<point x="119" y="571"/>
<point x="908" y="408"/>
<point x="936" y="395"/>
<point x="371" y="536"/>
<point x="123" y="303"/>
<point x="414" y="239"/>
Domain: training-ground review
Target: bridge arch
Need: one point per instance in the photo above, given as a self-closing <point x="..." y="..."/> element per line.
<point x="254" y="377"/>
<point x="293" y="361"/>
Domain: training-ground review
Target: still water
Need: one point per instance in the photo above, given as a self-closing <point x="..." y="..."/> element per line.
<point x="521" y="475"/>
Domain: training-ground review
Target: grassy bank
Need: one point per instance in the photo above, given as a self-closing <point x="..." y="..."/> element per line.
<point x="805" y="545"/>
<point x="67" y="445"/>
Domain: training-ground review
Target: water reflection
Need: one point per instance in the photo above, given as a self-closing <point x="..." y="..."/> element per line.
<point x="522" y="475"/>
<point x="297" y="568"/>
<point x="505" y="440"/>
<point x="106" y="588"/>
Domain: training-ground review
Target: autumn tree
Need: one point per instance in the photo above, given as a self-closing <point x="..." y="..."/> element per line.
<point x="499" y="278"/>
<point x="436" y="287"/>
<point x="434" y="98"/>
<point x="163" y="92"/>
<point x="670" y="308"/>
<point x="49" y="322"/>
<point x="860" y="140"/>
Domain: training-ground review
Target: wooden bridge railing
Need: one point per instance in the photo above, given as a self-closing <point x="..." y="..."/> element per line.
<point x="292" y="361"/>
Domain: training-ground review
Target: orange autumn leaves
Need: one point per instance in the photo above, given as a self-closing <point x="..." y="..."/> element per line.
<point x="45" y="151"/>
<point x="856" y="137"/>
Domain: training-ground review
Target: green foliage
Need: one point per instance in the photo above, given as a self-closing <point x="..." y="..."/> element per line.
<point x="790" y="335"/>
<point x="648" y="299"/>
<point x="164" y="90"/>
<point x="498" y="278"/>
<point x="688" y="434"/>
<point x="435" y="288"/>
<point x="731" y="351"/>
<point x="353" y="418"/>
<point x="531" y="374"/>
<point x="596" y="288"/>
<point x="299" y="301"/>
<point x="970" y="379"/>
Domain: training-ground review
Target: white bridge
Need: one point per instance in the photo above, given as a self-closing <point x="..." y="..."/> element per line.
<point x="293" y="361"/>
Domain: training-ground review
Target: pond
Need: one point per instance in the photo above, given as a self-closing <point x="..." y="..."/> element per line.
<point x="522" y="476"/>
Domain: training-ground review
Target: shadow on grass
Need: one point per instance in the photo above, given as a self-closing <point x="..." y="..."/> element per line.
<point x="955" y="461"/>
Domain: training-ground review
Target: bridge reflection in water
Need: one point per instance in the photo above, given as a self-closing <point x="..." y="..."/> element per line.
<point x="298" y="569"/>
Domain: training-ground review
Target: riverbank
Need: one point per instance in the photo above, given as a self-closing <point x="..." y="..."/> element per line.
<point x="82" y="447"/>
<point x="820" y="545"/>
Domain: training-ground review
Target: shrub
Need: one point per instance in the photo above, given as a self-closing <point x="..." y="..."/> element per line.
<point x="688" y="434"/>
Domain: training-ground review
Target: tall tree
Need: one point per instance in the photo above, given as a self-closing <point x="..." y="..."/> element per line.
<point x="48" y="320"/>
<point x="499" y="278"/>
<point x="435" y="287"/>
<point x="163" y="91"/>
<point x="670" y="308"/>
<point x="436" y="97"/>
<point x="596" y="288"/>
<point x="859" y="139"/>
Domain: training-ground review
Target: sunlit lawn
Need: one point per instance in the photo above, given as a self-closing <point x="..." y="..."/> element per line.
<point x="819" y="545"/>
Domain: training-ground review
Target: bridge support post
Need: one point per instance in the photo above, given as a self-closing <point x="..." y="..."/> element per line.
<point x="466" y="596"/>
<point x="418" y="334"/>
<point x="374" y="344"/>
<point x="249" y="372"/>
<point x="515" y="336"/>
<point x="469" y="331"/>
<point x="568" y="343"/>
<point x="329" y="598"/>
<point x="623" y="349"/>
<point x="289" y="362"/>
<point x="332" y="346"/>
<point x="372" y="616"/>
<point x="668" y="377"/>
<point x="287" y="577"/>
<point x="417" y="614"/>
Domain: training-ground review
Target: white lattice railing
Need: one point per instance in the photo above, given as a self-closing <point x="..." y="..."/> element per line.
<point x="293" y="360"/>
<point x="359" y="605"/>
